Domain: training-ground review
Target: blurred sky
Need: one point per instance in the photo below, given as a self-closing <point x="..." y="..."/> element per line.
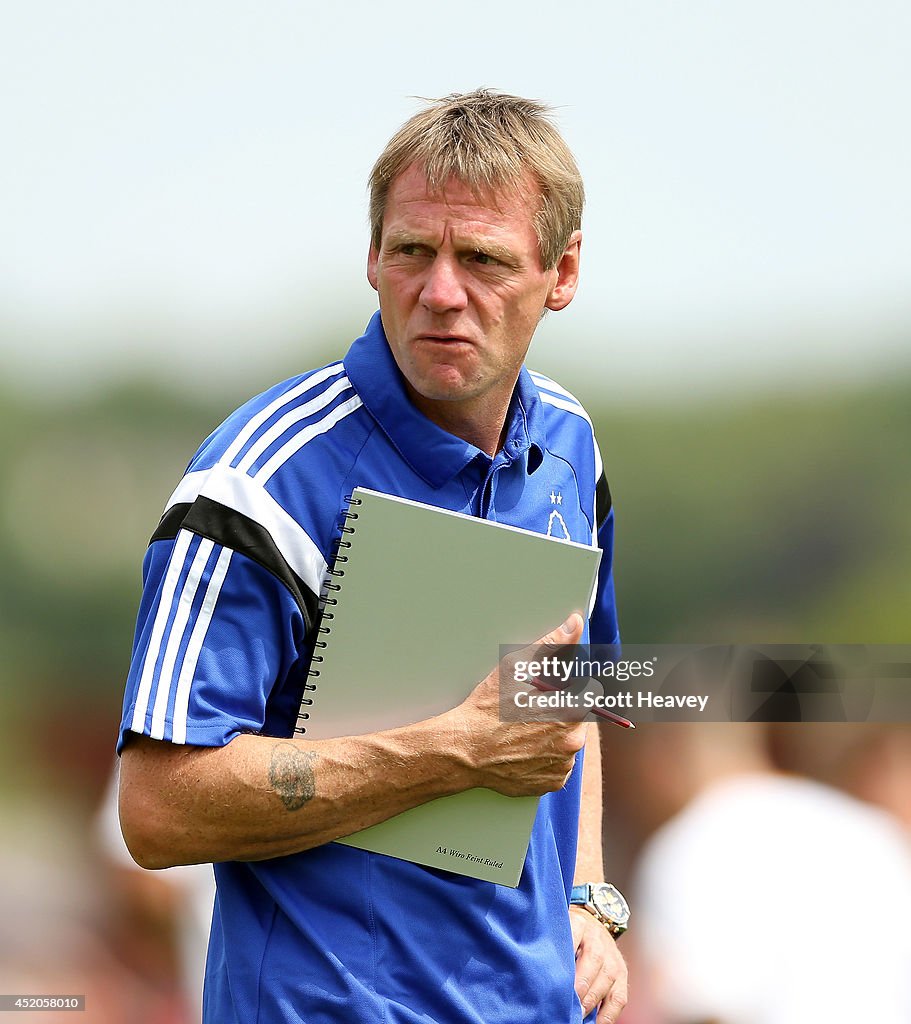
<point x="183" y="183"/>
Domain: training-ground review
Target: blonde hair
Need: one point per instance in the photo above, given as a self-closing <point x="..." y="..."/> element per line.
<point x="488" y="141"/>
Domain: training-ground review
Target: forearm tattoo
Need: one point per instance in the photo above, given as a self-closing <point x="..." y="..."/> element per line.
<point x="291" y="775"/>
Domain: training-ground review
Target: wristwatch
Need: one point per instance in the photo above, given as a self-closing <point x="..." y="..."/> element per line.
<point x="606" y="902"/>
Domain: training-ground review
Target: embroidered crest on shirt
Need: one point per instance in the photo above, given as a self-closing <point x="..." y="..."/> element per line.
<point x="556" y="526"/>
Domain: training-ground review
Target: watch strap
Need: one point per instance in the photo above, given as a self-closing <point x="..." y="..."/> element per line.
<point x="580" y="895"/>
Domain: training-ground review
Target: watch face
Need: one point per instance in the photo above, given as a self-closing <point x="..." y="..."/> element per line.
<point x="610" y="904"/>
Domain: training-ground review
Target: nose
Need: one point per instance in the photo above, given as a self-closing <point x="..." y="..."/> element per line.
<point x="443" y="288"/>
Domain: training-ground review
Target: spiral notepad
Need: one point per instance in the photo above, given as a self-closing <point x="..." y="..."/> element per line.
<point x="416" y="605"/>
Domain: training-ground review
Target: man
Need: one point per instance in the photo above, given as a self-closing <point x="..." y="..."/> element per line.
<point x="475" y="212"/>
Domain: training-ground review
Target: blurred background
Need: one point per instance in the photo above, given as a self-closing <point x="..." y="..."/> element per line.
<point x="183" y="215"/>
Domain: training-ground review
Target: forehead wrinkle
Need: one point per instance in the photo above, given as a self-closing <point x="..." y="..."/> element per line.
<point x="455" y="192"/>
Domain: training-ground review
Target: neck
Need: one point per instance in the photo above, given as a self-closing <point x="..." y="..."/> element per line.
<point x="481" y="422"/>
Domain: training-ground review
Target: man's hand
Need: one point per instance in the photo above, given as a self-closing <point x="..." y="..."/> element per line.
<point x="601" y="976"/>
<point x="516" y="758"/>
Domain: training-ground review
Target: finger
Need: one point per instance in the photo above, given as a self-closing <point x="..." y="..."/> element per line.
<point x="616" y="1000"/>
<point x="589" y="962"/>
<point x="592" y="991"/>
<point x="616" y="997"/>
<point x="606" y="992"/>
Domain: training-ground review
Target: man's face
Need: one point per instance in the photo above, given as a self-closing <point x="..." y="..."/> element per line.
<point x="461" y="290"/>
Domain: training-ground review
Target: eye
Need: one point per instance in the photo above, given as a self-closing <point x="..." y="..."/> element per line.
<point x="484" y="258"/>
<point x="413" y="249"/>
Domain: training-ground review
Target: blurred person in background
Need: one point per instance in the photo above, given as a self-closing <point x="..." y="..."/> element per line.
<point x="870" y="760"/>
<point x="69" y="927"/>
<point x="175" y="903"/>
<point x="761" y="897"/>
<point x="476" y="210"/>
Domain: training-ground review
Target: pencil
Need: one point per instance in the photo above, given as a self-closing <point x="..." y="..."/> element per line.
<point x="608" y="716"/>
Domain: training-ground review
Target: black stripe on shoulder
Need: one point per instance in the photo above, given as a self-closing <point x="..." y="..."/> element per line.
<point x="232" y="529"/>
<point x="171" y="522"/>
<point x="602" y="500"/>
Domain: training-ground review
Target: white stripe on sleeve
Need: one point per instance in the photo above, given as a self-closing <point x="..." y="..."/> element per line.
<point x="175" y="567"/>
<point x="552" y="385"/>
<point x="274" y="432"/>
<point x="181" y="618"/>
<point x="189" y="488"/>
<point x="304" y="436"/>
<point x="191" y="657"/>
<point x="562" y="403"/>
<point x="255" y="422"/>
<point x="599" y="470"/>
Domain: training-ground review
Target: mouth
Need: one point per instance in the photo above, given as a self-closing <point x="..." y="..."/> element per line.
<point x="445" y="339"/>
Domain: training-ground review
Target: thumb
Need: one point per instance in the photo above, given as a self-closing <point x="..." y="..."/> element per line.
<point x="569" y="633"/>
<point x="551" y="643"/>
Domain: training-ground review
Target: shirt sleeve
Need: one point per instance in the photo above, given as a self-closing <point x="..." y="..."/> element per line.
<point x="603" y="626"/>
<point x="218" y="648"/>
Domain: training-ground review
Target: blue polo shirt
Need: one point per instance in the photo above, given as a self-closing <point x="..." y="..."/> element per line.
<point x="223" y="642"/>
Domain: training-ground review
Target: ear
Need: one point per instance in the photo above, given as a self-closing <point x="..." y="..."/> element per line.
<point x="567" y="271"/>
<point x="373" y="257"/>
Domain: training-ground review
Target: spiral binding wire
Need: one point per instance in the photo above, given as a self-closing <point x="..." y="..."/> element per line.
<point x="323" y="630"/>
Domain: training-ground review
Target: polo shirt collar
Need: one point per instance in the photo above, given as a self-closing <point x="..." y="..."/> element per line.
<point x="432" y="452"/>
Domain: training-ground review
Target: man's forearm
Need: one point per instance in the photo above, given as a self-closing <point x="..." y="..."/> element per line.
<point x="589" y="856"/>
<point x="260" y="797"/>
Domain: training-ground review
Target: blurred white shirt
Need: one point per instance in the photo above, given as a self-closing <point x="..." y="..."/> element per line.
<point x="771" y="899"/>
